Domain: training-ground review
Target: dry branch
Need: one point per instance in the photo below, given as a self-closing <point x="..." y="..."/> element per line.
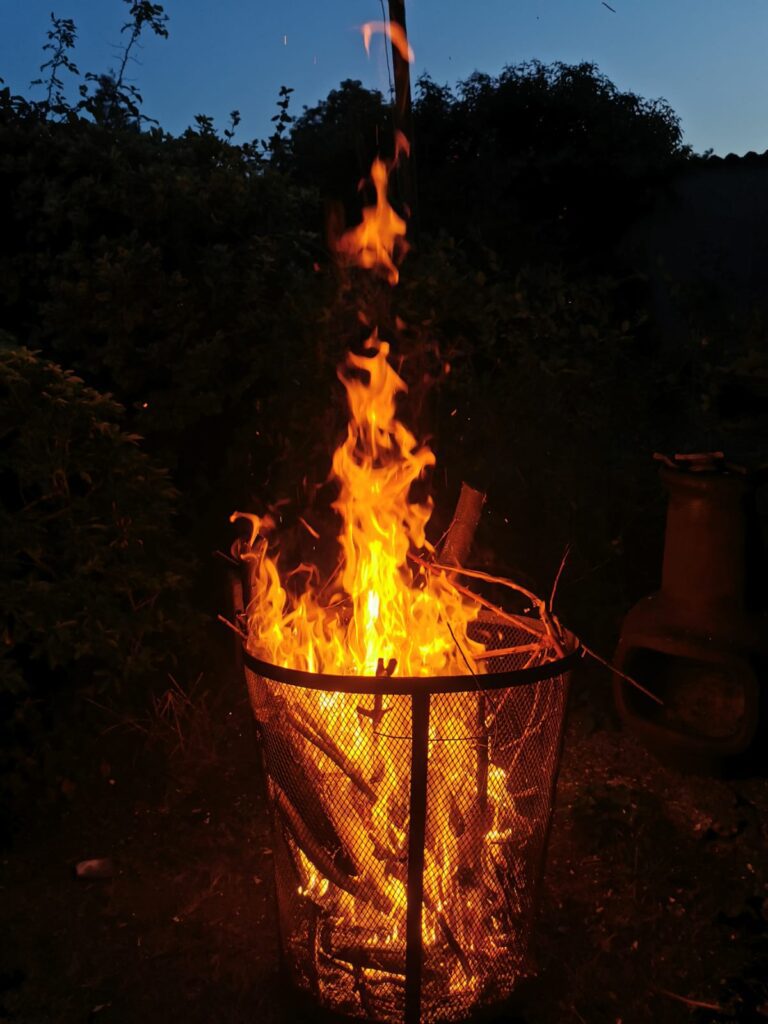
<point x="303" y="838"/>
<point x="286" y="768"/>
<point x="506" y="652"/>
<point x="621" y="675"/>
<point x="551" y="625"/>
<point x="381" y="977"/>
<point x="521" y="621"/>
<point x="694" y="1004"/>
<point x="314" y="733"/>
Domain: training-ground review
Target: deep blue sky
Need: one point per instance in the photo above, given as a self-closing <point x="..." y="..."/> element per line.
<point x="707" y="58"/>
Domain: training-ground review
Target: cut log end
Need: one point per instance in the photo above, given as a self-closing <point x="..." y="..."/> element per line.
<point x="461" y="532"/>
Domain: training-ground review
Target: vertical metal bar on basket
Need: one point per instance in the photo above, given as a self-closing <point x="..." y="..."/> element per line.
<point x="414" y="952"/>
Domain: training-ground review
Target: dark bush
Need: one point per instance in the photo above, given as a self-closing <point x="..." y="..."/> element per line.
<point x="93" y="576"/>
<point x="175" y="273"/>
<point x="540" y="163"/>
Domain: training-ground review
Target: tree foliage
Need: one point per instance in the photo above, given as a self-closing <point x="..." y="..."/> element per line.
<point x="539" y="162"/>
<point x="110" y="98"/>
<point x="187" y="276"/>
<point x="61" y="39"/>
<point x="92" y="579"/>
<point x="171" y="272"/>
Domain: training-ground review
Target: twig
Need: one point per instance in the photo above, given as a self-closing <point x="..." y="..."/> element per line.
<point x="622" y="675"/>
<point x="695" y="1004"/>
<point x="310" y="529"/>
<point x="232" y="626"/>
<point x="550" y="623"/>
<point x="559" y="573"/>
<point x="504" y="652"/>
<point x="528" y="625"/>
<point x="324" y="743"/>
<point x="477" y="574"/>
<point x="453" y="945"/>
<point x="227" y="558"/>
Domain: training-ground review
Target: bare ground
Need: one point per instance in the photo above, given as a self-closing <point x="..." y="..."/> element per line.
<point x="655" y="906"/>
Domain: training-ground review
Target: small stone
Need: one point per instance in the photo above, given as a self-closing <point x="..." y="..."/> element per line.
<point x="99" y="868"/>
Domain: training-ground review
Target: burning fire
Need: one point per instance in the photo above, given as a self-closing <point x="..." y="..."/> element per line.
<point x="383" y="613"/>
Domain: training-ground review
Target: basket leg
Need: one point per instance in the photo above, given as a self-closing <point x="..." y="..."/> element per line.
<point x="416" y="829"/>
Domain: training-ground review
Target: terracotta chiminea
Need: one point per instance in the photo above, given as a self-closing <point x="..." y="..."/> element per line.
<point x="700" y="643"/>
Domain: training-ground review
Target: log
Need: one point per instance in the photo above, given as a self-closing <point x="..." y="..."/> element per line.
<point x="461" y="532"/>
<point x="377" y="958"/>
<point x="314" y="733"/>
<point x="361" y="889"/>
<point x="454" y="946"/>
<point x="249" y="564"/>
<point x="284" y="766"/>
<point x="381" y="977"/>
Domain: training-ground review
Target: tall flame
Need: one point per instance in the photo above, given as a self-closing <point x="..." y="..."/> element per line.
<point x="378" y="614"/>
<point x="378" y="242"/>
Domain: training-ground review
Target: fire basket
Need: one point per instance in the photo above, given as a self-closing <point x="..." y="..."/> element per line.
<point x="410" y="821"/>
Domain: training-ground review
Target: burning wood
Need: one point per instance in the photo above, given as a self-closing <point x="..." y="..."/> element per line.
<point x="315" y="733"/>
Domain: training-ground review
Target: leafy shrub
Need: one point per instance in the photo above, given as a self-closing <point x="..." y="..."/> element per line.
<point x="542" y="162"/>
<point x="93" y="577"/>
<point x="172" y="272"/>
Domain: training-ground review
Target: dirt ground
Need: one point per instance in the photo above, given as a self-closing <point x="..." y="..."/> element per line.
<point x="655" y="906"/>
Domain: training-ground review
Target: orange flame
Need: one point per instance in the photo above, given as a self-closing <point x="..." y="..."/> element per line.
<point x="378" y="241"/>
<point x="395" y="33"/>
<point x="377" y="612"/>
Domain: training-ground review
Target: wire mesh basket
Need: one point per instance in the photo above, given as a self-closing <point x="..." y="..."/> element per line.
<point x="410" y="822"/>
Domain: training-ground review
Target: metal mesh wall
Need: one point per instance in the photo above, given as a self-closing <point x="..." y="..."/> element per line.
<point x="339" y="775"/>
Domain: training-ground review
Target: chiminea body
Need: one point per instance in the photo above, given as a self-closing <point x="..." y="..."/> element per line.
<point x="697" y="643"/>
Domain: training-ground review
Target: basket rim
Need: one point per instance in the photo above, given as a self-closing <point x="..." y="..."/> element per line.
<point x="414" y="685"/>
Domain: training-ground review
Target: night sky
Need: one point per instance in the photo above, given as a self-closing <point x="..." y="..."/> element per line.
<point x="707" y="58"/>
